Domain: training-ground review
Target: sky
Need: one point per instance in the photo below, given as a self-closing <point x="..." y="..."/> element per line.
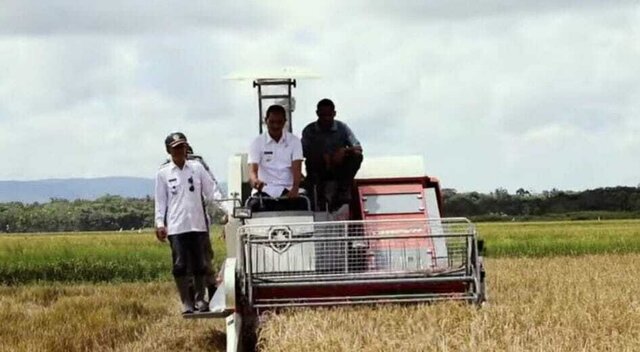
<point x="533" y="94"/>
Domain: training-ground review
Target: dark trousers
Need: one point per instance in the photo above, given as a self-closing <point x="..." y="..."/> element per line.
<point x="267" y="203"/>
<point x="333" y="187"/>
<point x="190" y="255"/>
<point x="346" y="172"/>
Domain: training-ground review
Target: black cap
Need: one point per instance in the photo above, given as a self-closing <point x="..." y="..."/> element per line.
<point x="175" y="139"/>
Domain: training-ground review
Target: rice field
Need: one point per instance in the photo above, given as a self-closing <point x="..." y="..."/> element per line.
<point x="587" y="303"/>
<point x="101" y="317"/>
<point x="89" y="257"/>
<point x="544" y="239"/>
<point x="565" y="286"/>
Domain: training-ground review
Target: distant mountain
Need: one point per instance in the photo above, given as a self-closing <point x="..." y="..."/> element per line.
<point x="74" y="188"/>
<point x="77" y="188"/>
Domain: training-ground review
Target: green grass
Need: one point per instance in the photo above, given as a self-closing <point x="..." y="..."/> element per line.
<point x="568" y="216"/>
<point x="89" y="257"/>
<point x="129" y="257"/>
<point x="538" y="239"/>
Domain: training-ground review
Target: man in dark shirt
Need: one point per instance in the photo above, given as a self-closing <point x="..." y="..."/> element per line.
<point x="333" y="156"/>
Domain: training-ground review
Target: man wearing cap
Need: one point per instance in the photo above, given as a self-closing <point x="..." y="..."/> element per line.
<point x="210" y="277"/>
<point x="181" y="187"/>
<point x="275" y="162"/>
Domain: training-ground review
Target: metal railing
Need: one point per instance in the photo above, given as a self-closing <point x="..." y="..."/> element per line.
<point x="434" y="251"/>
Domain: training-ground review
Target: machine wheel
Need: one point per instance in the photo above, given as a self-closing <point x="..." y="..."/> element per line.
<point x="476" y="256"/>
<point x="249" y="319"/>
<point x="483" y="286"/>
<point x="249" y="336"/>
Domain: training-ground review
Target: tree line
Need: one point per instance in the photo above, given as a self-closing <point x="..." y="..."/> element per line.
<point x="618" y="202"/>
<point x="58" y="215"/>
<point x="115" y="213"/>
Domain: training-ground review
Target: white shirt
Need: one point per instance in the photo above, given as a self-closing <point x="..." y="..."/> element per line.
<point x="274" y="161"/>
<point x="179" y="197"/>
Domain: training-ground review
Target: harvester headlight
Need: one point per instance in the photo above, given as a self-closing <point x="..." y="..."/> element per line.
<point x="241" y="213"/>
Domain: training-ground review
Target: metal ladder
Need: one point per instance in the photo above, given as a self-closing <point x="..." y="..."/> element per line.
<point x="283" y="96"/>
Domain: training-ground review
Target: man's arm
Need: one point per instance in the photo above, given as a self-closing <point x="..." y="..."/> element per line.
<point x="253" y="160"/>
<point x="160" y="207"/>
<point x="350" y="145"/>
<point x="353" y="144"/>
<point x="306" y="142"/>
<point x="313" y="155"/>
<point x="296" y="170"/>
<point x="253" y="177"/>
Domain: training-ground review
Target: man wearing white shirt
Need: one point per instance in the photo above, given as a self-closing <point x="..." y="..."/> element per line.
<point x="275" y="162"/>
<point x="181" y="187"/>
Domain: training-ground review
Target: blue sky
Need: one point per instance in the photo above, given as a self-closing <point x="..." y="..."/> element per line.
<point x="533" y="94"/>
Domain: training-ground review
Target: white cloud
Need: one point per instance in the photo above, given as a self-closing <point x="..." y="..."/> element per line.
<point x="535" y="95"/>
<point x="124" y="17"/>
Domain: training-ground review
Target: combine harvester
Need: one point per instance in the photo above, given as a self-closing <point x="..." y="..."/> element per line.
<point x="389" y="245"/>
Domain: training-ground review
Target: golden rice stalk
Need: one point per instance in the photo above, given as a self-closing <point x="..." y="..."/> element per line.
<point x="588" y="303"/>
<point x="117" y="317"/>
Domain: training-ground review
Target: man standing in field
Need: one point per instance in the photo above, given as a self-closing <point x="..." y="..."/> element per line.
<point x="181" y="187"/>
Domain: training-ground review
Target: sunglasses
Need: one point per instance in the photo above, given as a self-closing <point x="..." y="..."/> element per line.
<point x="191" y="188"/>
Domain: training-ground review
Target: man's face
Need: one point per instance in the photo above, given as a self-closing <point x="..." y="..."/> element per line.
<point x="275" y="123"/>
<point x="179" y="153"/>
<point x="326" y="115"/>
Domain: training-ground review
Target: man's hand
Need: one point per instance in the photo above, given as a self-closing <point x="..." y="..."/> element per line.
<point x="293" y="193"/>
<point x="258" y="184"/>
<point x="161" y="234"/>
<point x="224" y="219"/>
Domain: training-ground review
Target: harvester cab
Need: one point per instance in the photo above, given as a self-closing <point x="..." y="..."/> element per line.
<point x="390" y="244"/>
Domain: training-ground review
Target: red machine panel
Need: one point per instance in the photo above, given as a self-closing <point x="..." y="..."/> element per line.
<point x="391" y="202"/>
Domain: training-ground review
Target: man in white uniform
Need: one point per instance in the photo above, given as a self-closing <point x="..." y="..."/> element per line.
<point x="211" y="275"/>
<point x="181" y="187"/>
<point x="275" y="162"/>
